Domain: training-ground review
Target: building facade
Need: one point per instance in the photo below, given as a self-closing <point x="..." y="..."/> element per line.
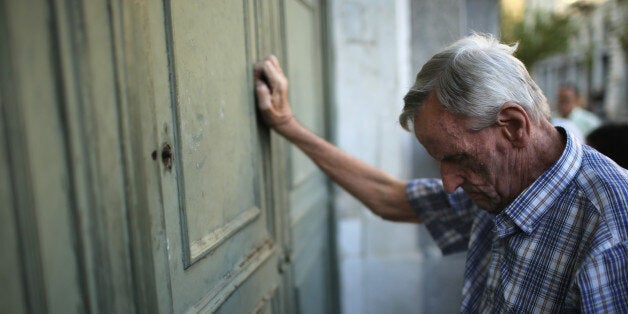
<point x="595" y="61"/>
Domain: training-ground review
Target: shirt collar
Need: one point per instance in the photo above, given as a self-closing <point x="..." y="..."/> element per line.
<point x="527" y="209"/>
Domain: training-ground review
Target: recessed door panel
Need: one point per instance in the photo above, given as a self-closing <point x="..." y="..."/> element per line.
<point x="220" y="246"/>
<point x="214" y="117"/>
<point x="309" y="210"/>
<point x="305" y="70"/>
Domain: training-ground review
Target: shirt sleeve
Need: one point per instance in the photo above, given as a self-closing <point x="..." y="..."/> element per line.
<point x="603" y="281"/>
<point x="448" y="217"/>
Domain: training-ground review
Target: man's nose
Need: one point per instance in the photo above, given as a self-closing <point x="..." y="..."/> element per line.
<point x="451" y="177"/>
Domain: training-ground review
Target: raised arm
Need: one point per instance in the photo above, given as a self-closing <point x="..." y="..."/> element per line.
<point x="379" y="191"/>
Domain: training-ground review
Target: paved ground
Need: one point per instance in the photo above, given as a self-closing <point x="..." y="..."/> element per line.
<point x="409" y="282"/>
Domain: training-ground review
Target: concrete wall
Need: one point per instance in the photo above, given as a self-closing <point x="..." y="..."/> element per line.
<point x="436" y="24"/>
<point x="371" y="66"/>
<point x="370" y="40"/>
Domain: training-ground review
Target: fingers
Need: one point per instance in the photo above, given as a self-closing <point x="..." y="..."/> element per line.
<point x="263" y="94"/>
<point x="270" y="71"/>
<point x="271" y="89"/>
<point x="259" y="71"/>
<point x="275" y="62"/>
<point x="275" y="78"/>
<point x="267" y="75"/>
<point x="270" y="62"/>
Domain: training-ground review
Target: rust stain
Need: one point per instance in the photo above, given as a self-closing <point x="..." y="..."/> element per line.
<point x="266" y="244"/>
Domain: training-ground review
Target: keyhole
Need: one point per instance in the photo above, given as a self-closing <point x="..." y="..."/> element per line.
<point x="166" y="156"/>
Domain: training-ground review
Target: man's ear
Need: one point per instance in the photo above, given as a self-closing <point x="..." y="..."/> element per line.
<point x="514" y="123"/>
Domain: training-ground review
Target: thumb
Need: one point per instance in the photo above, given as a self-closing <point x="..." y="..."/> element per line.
<point x="263" y="95"/>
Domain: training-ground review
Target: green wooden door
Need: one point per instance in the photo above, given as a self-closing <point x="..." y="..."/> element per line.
<point x="139" y="178"/>
<point x="63" y="199"/>
<point x="222" y="251"/>
<point x="247" y="219"/>
<point x="309" y="219"/>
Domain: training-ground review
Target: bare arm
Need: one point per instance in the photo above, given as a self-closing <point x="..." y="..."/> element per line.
<point x="379" y="191"/>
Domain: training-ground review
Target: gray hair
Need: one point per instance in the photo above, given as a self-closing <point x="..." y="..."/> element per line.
<point x="475" y="77"/>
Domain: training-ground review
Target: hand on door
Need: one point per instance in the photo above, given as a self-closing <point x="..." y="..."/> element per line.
<point x="271" y="88"/>
<point x="384" y="194"/>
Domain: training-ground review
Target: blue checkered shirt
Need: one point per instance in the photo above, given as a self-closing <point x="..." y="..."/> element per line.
<point x="560" y="246"/>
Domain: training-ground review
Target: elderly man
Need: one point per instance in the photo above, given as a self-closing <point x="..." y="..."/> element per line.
<point x="544" y="219"/>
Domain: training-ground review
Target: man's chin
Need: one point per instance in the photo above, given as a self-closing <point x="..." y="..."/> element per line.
<point x="487" y="205"/>
<point x="493" y="210"/>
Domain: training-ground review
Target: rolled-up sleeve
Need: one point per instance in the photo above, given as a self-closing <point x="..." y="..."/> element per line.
<point x="448" y="217"/>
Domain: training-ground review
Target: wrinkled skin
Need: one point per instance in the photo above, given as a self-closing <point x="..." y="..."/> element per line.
<point x="492" y="165"/>
<point x="271" y="89"/>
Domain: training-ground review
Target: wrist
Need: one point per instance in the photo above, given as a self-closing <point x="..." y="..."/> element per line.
<point x="287" y="126"/>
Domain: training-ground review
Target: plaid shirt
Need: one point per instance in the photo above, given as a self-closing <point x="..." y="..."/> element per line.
<point x="560" y="246"/>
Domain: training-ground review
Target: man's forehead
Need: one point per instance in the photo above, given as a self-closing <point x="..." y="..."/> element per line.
<point x="436" y="129"/>
<point x="430" y="109"/>
<point x="434" y="118"/>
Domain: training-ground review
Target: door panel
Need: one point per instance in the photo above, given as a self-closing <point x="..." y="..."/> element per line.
<point x="304" y="64"/>
<point x="12" y="300"/>
<point x="218" y="177"/>
<point x="309" y="208"/>
<point x="221" y="247"/>
<point x="39" y="204"/>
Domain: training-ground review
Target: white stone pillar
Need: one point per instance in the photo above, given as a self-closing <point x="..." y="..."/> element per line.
<point x="371" y="44"/>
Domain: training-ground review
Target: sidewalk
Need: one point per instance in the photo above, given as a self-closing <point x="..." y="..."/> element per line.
<point x="422" y="281"/>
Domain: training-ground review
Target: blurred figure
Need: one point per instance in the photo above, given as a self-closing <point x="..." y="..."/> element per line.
<point x="612" y="141"/>
<point x="569" y="108"/>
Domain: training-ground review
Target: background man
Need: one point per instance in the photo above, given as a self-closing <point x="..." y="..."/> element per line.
<point x="569" y="108"/>
<point x="543" y="218"/>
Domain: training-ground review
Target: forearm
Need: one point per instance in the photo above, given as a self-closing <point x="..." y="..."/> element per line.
<point x="379" y="191"/>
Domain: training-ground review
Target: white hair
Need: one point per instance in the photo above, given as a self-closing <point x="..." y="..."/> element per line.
<point x="475" y="77"/>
